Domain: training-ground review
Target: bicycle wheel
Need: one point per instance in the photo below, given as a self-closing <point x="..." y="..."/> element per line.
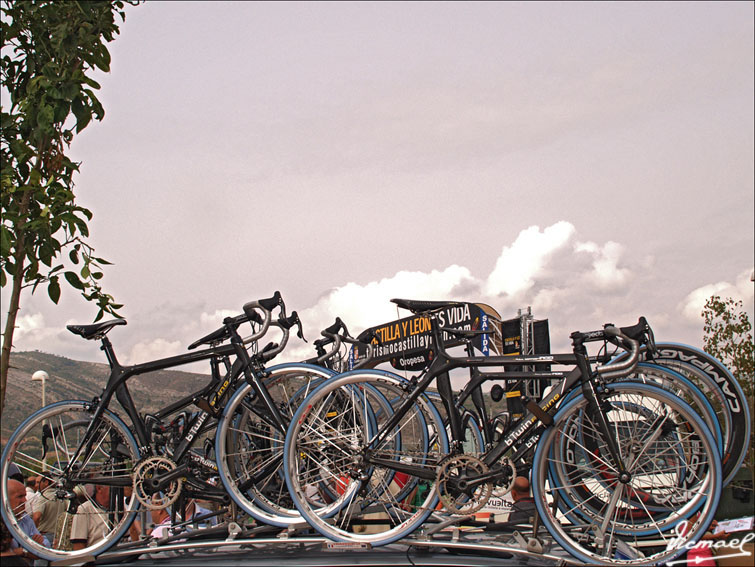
<point x="250" y="445"/>
<point x="672" y="470"/>
<point x="333" y="441"/>
<point x="45" y="444"/>
<point x="590" y="448"/>
<point x="721" y="388"/>
<point x="639" y="419"/>
<point x="327" y="496"/>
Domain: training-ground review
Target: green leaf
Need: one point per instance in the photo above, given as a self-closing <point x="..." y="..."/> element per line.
<point x="45" y="117"/>
<point x="53" y="290"/>
<point x="73" y="279"/>
<point x="5" y="241"/>
<point x="52" y="49"/>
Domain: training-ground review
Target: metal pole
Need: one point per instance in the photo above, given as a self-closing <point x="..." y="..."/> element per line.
<point x="41" y="376"/>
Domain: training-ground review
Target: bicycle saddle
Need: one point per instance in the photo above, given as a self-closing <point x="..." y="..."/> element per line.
<point x="420" y="306"/>
<point x="96" y="330"/>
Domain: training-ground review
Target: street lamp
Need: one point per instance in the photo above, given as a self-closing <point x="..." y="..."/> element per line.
<point x="41" y="376"/>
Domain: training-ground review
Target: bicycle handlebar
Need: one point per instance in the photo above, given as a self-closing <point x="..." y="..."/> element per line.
<point x="266" y="306"/>
<point x="628" y="338"/>
<point x="250" y="315"/>
<point x="332" y="336"/>
<point x="284" y="324"/>
<point x="620" y="369"/>
<point x="336" y="335"/>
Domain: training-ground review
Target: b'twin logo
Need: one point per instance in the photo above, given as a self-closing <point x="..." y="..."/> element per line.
<point x="202" y="418"/>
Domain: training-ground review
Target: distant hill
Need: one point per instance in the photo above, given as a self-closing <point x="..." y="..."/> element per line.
<point x="72" y="379"/>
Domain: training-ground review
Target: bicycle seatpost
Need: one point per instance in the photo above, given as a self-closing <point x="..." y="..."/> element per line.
<point x="107" y="348"/>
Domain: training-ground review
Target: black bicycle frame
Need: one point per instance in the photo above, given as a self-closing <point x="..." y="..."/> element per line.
<point x="539" y="414"/>
<point x="116" y="385"/>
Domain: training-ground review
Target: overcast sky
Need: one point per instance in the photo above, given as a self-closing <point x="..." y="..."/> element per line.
<point x="593" y="161"/>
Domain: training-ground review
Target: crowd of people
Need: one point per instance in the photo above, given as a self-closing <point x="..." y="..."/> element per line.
<point x="38" y="512"/>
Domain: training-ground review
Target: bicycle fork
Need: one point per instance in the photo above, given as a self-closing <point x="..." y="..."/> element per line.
<point x="596" y="409"/>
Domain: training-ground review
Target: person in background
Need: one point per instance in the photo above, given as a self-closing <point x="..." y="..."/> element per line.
<point x="161" y="521"/>
<point x="135" y="529"/>
<point x="702" y="554"/>
<point x="15" y="473"/>
<point x="90" y="524"/>
<point x="47" y="508"/>
<point x="17" y="499"/>
<point x="32" y="486"/>
<point x="9" y="556"/>
<point x="524" y="505"/>
<point x="194" y="510"/>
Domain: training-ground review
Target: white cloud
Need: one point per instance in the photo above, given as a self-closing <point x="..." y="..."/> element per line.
<point x="741" y="289"/>
<point x="27" y="324"/>
<point x="35" y="332"/>
<point x="215" y="319"/>
<point x="519" y="264"/>
<point x="605" y="273"/>
<point x="529" y="272"/>
<point x="577" y="284"/>
<point x="33" y="329"/>
<point x="362" y="306"/>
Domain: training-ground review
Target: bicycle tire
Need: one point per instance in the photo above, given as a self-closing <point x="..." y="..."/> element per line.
<point x="245" y="443"/>
<point x="369" y="495"/>
<point x="678" y="384"/>
<point x="248" y="443"/>
<point x="612" y="538"/>
<point x="110" y="463"/>
<point x="588" y="449"/>
<point x="593" y="450"/>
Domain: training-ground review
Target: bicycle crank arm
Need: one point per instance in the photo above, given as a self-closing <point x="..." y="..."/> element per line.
<point x="158" y="483"/>
<point x="471" y="482"/>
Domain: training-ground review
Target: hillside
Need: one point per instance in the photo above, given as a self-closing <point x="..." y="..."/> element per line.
<point x="71" y="379"/>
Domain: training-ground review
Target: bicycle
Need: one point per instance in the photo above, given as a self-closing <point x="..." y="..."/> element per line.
<point x="146" y="463"/>
<point x="366" y="458"/>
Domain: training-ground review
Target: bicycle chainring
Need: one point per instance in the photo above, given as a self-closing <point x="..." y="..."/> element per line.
<point x="148" y="469"/>
<point x="457" y="500"/>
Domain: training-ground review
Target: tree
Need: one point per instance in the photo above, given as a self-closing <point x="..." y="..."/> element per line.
<point x="727" y="335"/>
<point x="50" y="50"/>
